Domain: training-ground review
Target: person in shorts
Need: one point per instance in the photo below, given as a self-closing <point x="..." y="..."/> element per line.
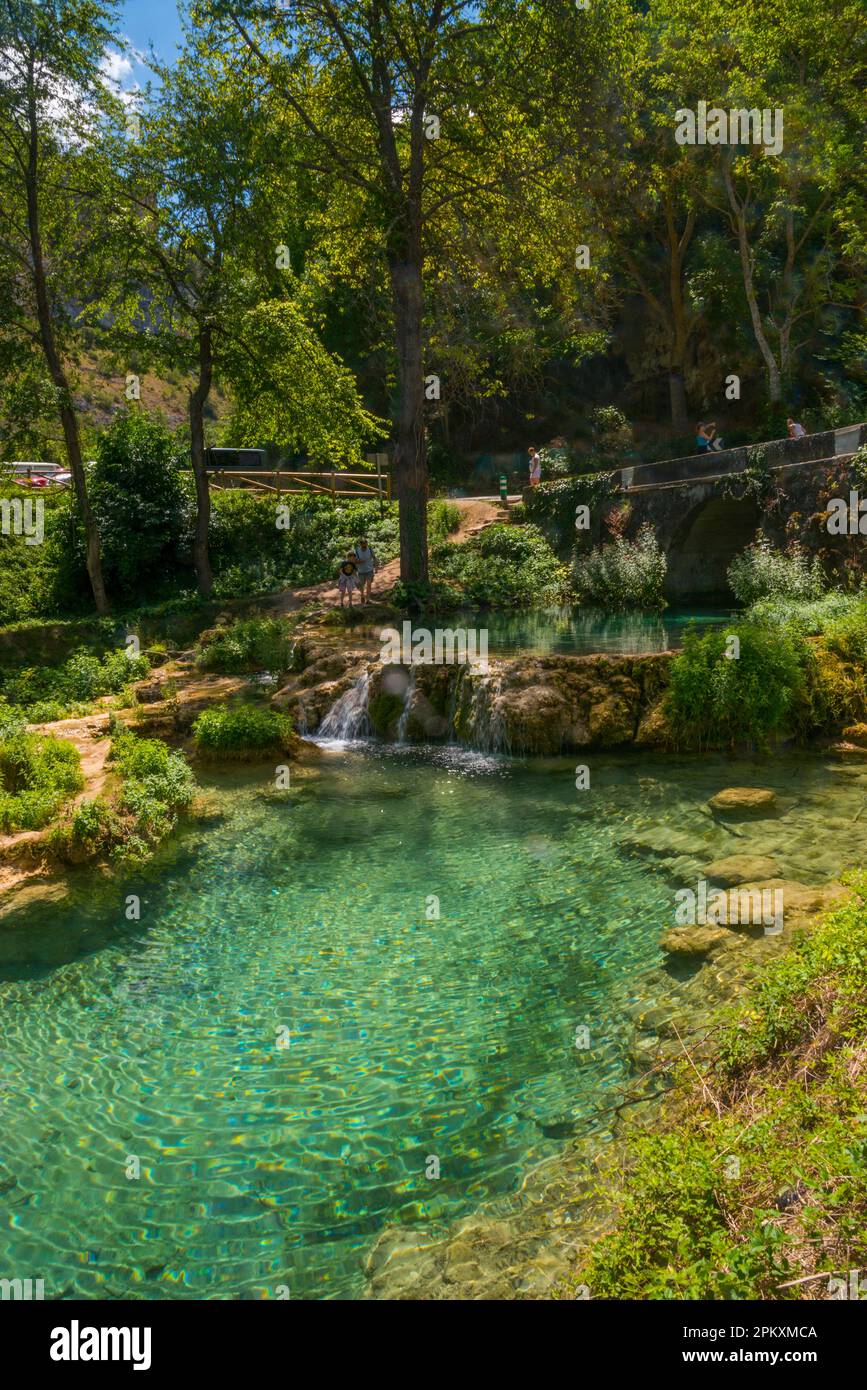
<point x="347" y="579"/>
<point x="366" y="566"/>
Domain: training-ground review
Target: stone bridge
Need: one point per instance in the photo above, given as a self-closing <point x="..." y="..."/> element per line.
<point x="707" y="508"/>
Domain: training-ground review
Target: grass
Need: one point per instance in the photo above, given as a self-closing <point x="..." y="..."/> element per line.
<point x="759" y="1179"/>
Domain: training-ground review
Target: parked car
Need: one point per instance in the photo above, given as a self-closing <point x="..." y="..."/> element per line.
<point x="37" y="474"/>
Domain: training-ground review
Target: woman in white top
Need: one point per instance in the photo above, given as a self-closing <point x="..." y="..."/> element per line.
<point x="535" y="466"/>
<point x="796" y="431"/>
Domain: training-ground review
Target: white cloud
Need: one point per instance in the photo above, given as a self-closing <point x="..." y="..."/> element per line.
<point x="115" y="66"/>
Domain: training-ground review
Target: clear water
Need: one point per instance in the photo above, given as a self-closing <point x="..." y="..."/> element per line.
<point x="577" y="631"/>
<point x="409" y="1036"/>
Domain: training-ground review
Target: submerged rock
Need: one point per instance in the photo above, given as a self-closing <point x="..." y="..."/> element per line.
<point x="744" y="801"/>
<point x="740" y="868"/>
<point x="695" y="941"/>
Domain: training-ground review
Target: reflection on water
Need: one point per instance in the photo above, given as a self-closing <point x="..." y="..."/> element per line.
<point x="543" y="631"/>
<point x="425" y="929"/>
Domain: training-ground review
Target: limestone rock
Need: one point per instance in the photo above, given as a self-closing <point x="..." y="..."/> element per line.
<point x="36" y="894"/>
<point x="694" y="941"/>
<point x="611" y="722"/>
<point x="653" y="728"/>
<point x="740" y="868"/>
<point x="740" y="802"/>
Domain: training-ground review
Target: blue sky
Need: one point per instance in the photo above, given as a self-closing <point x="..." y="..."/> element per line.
<point x="146" y="23"/>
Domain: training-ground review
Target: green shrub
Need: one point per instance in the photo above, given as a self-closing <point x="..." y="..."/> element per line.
<point x="93" y="827"/>
<point x="442" y="519"/>
<point x="612" y="432"/>
<point x="142" y="503"/>
<point x="553" y="506"/>
<point x="51" y="692"/>
<point x="37" y="775"/>
<point x="761" y="572"/>
<point x="810" y="617"/>
<point x="846" y="632"/>
<point x="253" y="644"/>
<point x="240" y="731"/>
<point x="157" y="784"/>
<point x="504" y="565"/>
<point x="623" y="574"/>
<point x="717" y="701"/>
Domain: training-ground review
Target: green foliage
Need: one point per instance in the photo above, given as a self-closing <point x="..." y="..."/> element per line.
<point x="810" y="617"/>
<point x="141" y="504"/>
<point x="157" y="784"/>
<point x="94" y="827"/>
<point x="46" y="578"/>
<point x="613" y="434"/>
<point x="37" y="775"/>
<point x="688" y="1229"/>
<point x="846" y="631"/>
<point x="503" y="564"/>
<point x="442" y="519"/>
<point x="715" y="701"/>
<point x="760" y="572"/>
<point x="290" y="389"/>
<point x="241" y="731"/>
<point x="53" y="692"/>
<point x="252" y="644"/>
<point x="553" y="506"/>
<point x="623" y="574"/>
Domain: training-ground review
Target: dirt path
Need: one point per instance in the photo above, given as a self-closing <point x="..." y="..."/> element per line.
<point x="476" y="514"/>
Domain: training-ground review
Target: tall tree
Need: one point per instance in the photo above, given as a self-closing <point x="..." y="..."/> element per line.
<point x="409" y="110"/>
<point x="54" y="182"/>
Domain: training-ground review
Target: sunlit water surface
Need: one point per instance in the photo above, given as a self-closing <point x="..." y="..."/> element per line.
<point x="578" y="630"/>
<point x="428" y="928"/>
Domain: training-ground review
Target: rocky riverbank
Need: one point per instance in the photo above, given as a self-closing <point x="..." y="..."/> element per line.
<point x="523" y="705"/>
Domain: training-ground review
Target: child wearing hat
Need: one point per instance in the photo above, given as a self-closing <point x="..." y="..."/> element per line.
<point x="347" y="579"/>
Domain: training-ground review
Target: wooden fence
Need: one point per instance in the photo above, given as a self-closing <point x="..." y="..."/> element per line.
<point x="331" y="484"/>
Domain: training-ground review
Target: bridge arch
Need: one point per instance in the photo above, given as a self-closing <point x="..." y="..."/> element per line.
<point x="703" y="545"/>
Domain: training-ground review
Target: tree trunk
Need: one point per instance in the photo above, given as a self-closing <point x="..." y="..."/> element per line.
<point x="677" y="247"/>
<point x="678" y="401"/>
<point x="411" y="453"/>
<point x="775" y="382"/>
<point x="198" y="397"/>
<point x="56" y="370"/>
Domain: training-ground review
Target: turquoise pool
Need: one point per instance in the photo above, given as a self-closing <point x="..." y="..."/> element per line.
<point x="410" y="1035"/>
<point x="582" y="630"/>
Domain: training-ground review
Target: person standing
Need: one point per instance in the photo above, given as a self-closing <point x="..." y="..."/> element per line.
<point x="366" y="567"/>
<point x="347" y="578"/>
<point x="796" y="431"/>
<point x="535" y="466"/>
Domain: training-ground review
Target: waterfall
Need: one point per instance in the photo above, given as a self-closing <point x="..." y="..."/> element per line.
<point x="348" y="717"/>
<point x="407" y="702"/>
<point x="472" y="707"/>
<point x="453" y="703"/>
